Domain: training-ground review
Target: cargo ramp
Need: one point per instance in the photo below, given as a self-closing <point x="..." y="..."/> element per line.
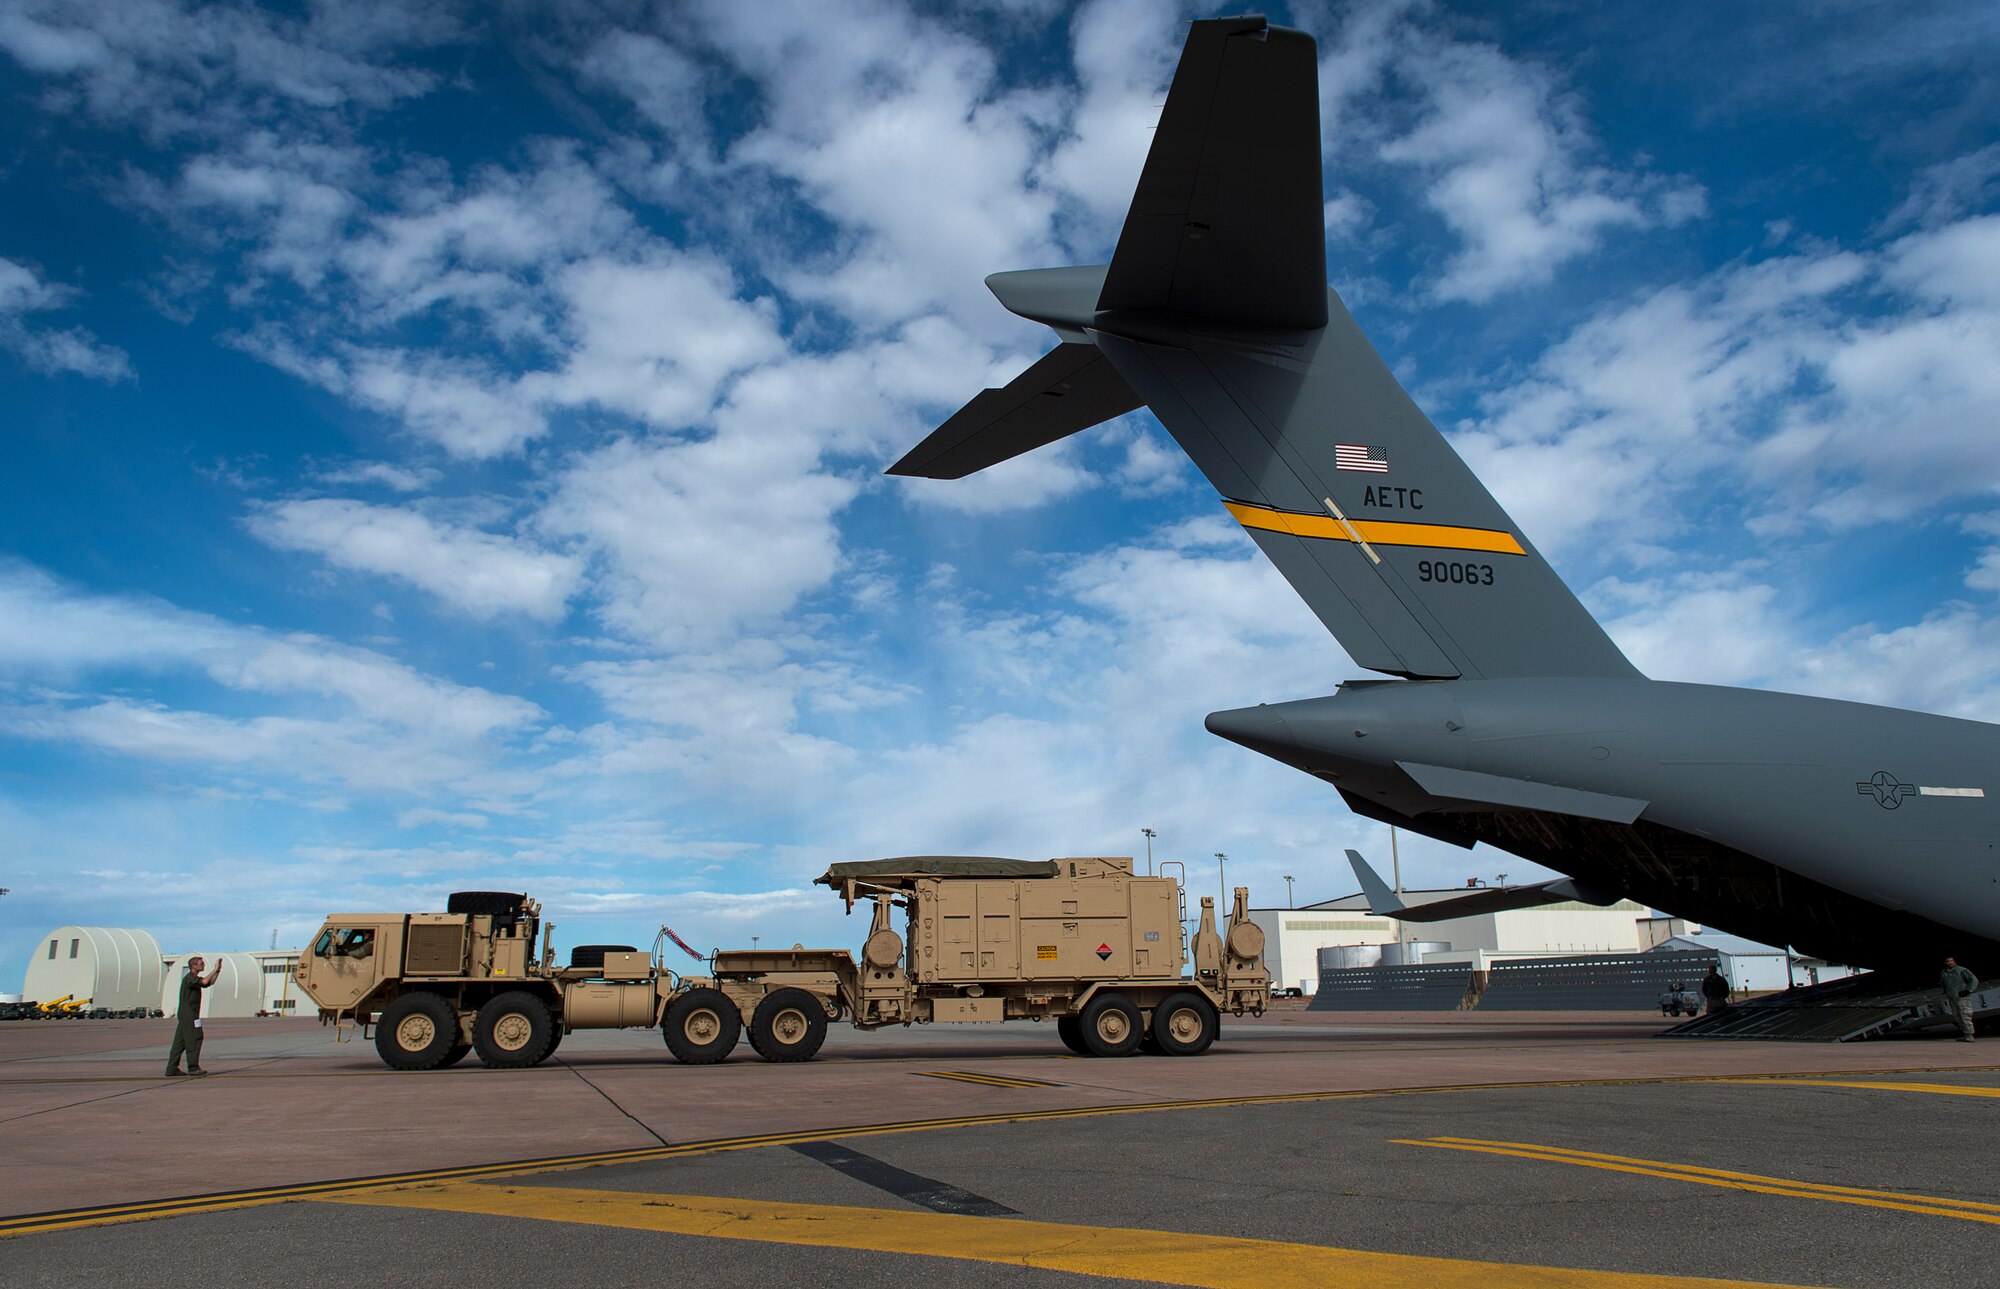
<point x="1872" y="1005"/>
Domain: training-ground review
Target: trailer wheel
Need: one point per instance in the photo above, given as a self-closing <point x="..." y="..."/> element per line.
<point x="416" y="1032"/>
<point x="789" y="1025"/>
<point x="513" y="1030"/>
<point x="701" y="1027"/>
<point x="1183" y="1025"/>
<point x="1070" y="1030"/>
<point x="1112" y="1026"/>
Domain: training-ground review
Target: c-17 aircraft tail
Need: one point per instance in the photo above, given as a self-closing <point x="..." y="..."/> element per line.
<point x="1863" y="834"/>
<point x="1215" y="313"/>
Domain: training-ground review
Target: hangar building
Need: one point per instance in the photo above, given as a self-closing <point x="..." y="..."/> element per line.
<point x="111" y="966"/>
<point x="122" y="968"/>
<point x="1293" y="937"/>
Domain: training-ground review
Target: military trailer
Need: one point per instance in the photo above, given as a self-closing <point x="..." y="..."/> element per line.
<point x="1082" y="942"/>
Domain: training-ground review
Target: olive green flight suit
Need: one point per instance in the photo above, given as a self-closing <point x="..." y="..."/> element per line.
<point x="1957" y="985"/>
<point x="187" y="1035"/>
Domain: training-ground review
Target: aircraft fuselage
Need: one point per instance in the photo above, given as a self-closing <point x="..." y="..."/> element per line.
<point x="1796" y="820"/>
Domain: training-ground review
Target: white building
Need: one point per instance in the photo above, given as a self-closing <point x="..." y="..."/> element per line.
<point x="110" y="966"/>
<point x="1294" y="937"/>
<point x="1757" y="968"/>
<point x="122" y="968"/>
<point x="250" y="982"/>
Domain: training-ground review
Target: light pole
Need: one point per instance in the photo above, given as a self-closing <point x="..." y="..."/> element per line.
<point x="1221" y="879"/>
<point x="1150" y="834"/>
<point x="753" y="943"/>
<point x="1396" y="858"/>
<point x="1288" y="892"/>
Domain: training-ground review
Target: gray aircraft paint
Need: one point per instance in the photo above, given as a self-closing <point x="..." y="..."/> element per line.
<point x="1858" y="833"/>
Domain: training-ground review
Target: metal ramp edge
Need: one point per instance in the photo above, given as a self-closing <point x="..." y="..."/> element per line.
<point x="1800" y="1024"/>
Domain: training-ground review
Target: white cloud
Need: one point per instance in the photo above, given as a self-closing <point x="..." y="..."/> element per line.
<point x="397" y="478"/>
<point x="656" y="340"/>
<point x="1039" y="478"/>
<point x="666" y="85"/>
<point x="381" y="724"/>
<point x="426" y="817"/>
<point x="1832" y="387"/>
<point x="924" y="166"/>
<point x="1123" y="52"/>
<point x="1732" y="628"/>
<point x="42" y="349"/>
<point x="467" y="408"/>
<point x="1505" y="159"/>
<point x="698" y="538"/>
<point x="176" y="68"/>
<point x="477" y="572"/>
<point x="1950" y="189"/>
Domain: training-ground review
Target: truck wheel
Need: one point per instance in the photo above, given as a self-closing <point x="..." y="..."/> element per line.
<point x="702" y="1027"/>
<point x="1183" y="1025"/>
<point x="555" y="1041"/>
<point x="416" y="1032"/>
<point x="1111" y="1026"/>
<point x="513" y="1030"/>
<point x="1070" y="1030"/>
<point x="454" y="1056"/>
<point x="789" y="1025"/>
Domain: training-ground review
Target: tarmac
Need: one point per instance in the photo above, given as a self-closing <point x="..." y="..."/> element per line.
<point x="1570" y="1149"/>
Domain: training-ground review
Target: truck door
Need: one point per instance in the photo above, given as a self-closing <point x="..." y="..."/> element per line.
<point x="999" y="931"/>
<point x="343" y="965"/>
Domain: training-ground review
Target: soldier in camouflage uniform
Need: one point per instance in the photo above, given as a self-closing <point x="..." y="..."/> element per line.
<point x="187" y="1023"/>
<point x="1958" y="984"/>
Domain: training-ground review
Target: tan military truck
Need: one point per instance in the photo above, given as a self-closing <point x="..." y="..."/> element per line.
<point x="1083" y="942"/>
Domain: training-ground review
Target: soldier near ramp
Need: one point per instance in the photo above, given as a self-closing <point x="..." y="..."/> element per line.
<point x="187" y="1025"/>
<point x="1958" y="984"/>
<point x="1715" y="988"/>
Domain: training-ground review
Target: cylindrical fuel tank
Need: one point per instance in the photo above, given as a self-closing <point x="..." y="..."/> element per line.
<point x="1412" y="952"/>
<point x="595" y="1005"/>
<point x="1342" y="957"/>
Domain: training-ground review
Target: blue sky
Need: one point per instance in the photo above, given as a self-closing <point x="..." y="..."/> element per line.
<point x="444" y="445"/>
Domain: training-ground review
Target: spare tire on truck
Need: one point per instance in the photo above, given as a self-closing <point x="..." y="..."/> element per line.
<point x="592" y="955"/>
<point x="484" y="903"/>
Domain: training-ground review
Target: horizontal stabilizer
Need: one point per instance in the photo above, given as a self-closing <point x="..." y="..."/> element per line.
<point x="1384" y="902"/>
<point x="1520" y="794"/>
<point x="1228" y="222"/>
<point x="1072" y="388"/>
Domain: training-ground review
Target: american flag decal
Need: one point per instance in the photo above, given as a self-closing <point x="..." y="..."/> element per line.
<point x="1361" y="456"/>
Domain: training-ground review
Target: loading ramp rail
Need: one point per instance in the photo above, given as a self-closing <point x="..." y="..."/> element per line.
<point x="1870" y="1005"/>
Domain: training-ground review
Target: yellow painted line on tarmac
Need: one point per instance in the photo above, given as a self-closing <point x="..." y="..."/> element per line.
<point x="990" y="1080"/>
<point x="1901" y="1201"/>
<point x="1114" y="1253"/>
<point x="1935" y="1089"/>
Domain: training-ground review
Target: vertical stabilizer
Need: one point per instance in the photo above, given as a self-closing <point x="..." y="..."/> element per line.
<point x="1214" y="312"/>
